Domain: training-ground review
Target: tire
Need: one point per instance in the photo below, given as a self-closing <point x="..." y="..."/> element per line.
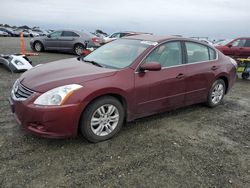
<point x="78" y="49"/>
<point x="96" y="128"/>
<point x="216" y="93"/>
<point x="245" y="75"/>
<point x="38" y="46"/>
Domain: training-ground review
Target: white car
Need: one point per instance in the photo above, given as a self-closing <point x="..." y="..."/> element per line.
<point x="112" y="37"/>
<point x="117" y="35"/>
<point x="206" y="41"/>
<point x="33" y="33"/>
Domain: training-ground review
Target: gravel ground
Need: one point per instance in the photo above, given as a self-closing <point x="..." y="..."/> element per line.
<point x="194" y="146"/>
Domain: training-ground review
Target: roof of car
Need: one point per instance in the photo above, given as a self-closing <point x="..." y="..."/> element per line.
<point x="81" y="33"/>
<point x="153" y="38"/>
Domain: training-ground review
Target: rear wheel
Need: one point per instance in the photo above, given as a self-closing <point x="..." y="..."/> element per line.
<point x="38" y="47"/>
<point x="216" y="93"/>
<point x="78" y="49"/>
<point x="102" y="119"/>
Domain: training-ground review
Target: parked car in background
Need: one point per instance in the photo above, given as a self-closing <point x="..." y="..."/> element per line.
<point x="118" y="35"/>
<point x="220" y="42"/>
<point x="237" y="48"/>
<point x="33" y="33"/>
<point x="41" y="32"/>
<point x="126" y="79"/>
<point x="65" y="40"/>
<point x="9" y="31"/>
<point x="206" y="41"/>
<point x="4" y="34"/>
<point x="25" y="32"/>
<point x="203" y="39"/>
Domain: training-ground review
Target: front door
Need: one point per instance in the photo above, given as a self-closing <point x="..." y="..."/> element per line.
<point x="165" y="89"/>
<point x="51" y="41"/>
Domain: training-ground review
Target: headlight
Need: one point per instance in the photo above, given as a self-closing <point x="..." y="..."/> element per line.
<point x="57" y="96"/>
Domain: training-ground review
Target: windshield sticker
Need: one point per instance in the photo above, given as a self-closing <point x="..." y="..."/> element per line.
<point x="149" y="43"/>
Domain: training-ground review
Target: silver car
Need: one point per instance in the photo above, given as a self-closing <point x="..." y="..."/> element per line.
<point x="65" y="40"/>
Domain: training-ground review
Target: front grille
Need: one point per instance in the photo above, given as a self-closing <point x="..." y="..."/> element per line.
<point x="21" y="92"/>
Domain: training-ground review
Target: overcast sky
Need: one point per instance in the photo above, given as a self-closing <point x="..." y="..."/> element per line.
<point x="212" y="18"/>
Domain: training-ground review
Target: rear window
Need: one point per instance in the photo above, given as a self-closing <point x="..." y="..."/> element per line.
<point x="212" y="54"/>
<point x="69" y="34"/>
<point x="198" y="52"/>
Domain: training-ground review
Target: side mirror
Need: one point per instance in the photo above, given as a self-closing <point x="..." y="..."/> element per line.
<point x="48" y="36"/>
<point x="230" y="45"/>
<point x="152" y="66"/>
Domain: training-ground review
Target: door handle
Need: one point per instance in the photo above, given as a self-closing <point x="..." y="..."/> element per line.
<point x="180" y="76"/>
<point x="214" y="68"/>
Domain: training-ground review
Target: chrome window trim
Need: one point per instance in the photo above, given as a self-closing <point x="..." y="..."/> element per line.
<point x="177" y="40"/>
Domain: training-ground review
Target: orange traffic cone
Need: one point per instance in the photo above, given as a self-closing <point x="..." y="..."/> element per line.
<point x="23" y="50"/>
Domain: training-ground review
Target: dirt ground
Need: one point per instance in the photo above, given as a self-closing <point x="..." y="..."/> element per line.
<point x="194" y="146"/>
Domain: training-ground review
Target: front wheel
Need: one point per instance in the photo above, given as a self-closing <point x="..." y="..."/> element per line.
<point x="102" y="119"/>
<point x="38" y="47"/>
<point x="216" y="93"/>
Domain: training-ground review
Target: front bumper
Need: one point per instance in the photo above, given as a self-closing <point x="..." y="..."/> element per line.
<point x="48" y="121"/>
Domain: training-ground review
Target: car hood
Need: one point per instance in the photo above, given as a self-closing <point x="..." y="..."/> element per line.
<point x="63" y="72"/>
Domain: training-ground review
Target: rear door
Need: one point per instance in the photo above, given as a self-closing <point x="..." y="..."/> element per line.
<point x="165" y="89"/>
<point x="51" y="41"/>
<point x="200" y="70"/>
<point x="246" y="49"/>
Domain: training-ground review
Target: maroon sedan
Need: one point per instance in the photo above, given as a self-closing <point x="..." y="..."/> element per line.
<point x="126" y="79"/>
<point x="237" y="48"/>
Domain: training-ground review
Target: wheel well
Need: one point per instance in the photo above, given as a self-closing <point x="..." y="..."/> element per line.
<point x="226" y="82"/>
<point x="39" y="42"/>
<point x="117" y="96"/>
<point x="79" y="44"/>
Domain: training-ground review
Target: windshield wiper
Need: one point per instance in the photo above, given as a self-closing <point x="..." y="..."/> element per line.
<point x="93" y="63"/>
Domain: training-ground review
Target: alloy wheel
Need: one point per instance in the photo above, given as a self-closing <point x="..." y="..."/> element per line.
<point x="217" y="93"/>
<point x="38" y="47"/>
<point x="104" y="120"/>
<point x="78" y="49"/>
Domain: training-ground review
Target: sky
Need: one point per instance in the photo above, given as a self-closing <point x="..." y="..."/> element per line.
<point x="191" y="18"/>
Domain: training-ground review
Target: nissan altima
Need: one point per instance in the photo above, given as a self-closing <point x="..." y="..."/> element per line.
<point x="121" y="81"/>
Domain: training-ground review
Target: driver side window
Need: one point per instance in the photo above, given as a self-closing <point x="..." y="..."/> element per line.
<point x="56" y="34"/>
<point x="168" y="54"/>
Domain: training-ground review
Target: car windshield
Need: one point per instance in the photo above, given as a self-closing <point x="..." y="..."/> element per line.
<point x="118" y="54"/>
